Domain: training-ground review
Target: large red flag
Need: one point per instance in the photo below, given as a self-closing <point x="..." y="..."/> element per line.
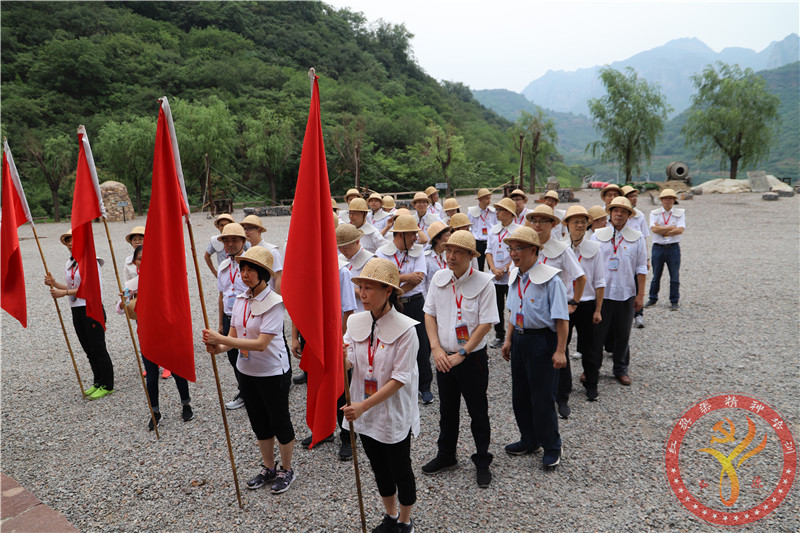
<point x="310" y="283"/>
<point x="15" y="214"/>
<point x="165" y="320"/>
<point x="87" y="205"/>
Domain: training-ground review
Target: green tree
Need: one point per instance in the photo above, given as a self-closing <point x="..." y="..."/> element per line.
<point x="629" y="118"/>
<point x="733" y="115"/>
<point x="440" y="149"/>
<point x="539" y="136"/>
<point x="55" y="158"/>
<point x="348" y="139"/>
<point x="268" y="142"/>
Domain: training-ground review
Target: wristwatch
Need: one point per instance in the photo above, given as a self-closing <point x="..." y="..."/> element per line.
<point x="572" y="302"/>
<point x="462" y="352"/>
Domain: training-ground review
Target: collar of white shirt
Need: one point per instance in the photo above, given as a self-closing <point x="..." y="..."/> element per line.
<point x="390" y="326"/>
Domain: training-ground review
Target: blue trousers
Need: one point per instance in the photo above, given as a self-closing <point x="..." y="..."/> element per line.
<point x="671" y="255"/>
<point x="533" y="386"/>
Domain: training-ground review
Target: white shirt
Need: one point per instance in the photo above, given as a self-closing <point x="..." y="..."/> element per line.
<point x="436" y="210"/>
<point x="378" y="219"/>
<point x="520" y="219"/>
<point x="425" y="222"/>
<point x="130" y="271"/>
<point x="216" y="246"/>
<point x="482" y="222"/>
<point x="395" y="357"/>
<point x="277" y="260"/>
<point x="631" y="252"/>
<point x="499" y="250"/>
<point x="434" y="263"/>
<point x="230" y="284"/>
<point x="407" y="262"/>
<point x="355" y="265"/>
<point x="73" y="277"/>
<point x="476" y="297"/>
<point x="674" y="217"/>
<point x="560" y="230"/>
<point x="593" y="266"/>
<point x="558" y="254"/>
<point x="348" y="295"/>
<point x="638" y="223"/>
<point x="372" y="238"/>
<point x="263" y="314"/>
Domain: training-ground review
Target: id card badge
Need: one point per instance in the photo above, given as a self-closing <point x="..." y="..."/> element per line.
<point x="484" y="231"/>
<point x="231" y="300"/>
<point x="462" y="333"/>
<point x="520" y="324"/>
<point x="613" y="263"/>
<point x="244" y="354"/>
<point x="370" y="387"/>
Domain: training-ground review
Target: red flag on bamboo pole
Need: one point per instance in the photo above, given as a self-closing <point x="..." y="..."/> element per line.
<point x="87" y="205"/>
<point x="165" y="320"/>
<point x="310" y="283"/>
<point x="15" y="214"/>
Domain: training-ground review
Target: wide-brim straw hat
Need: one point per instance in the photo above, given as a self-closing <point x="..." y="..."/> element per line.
<point x="543" y="210"/>
<point x="335" y="220"/>
<point x="234" y="229"/>
<point x="574" y="211"/>
<point x="483" y="192"/>
<point x="223" y="216"/>
<point x="551" y="194"/>
<point x="507" y="204"/>
<point x="464" y="240"/>
<point x="667" y="193"/>
<point x="420" y="197"/>
<point x="627" y="189"/>
<point x="620" y="201"/>
<point x="405" y="224"/>
<point x="253" y="220"/>
<point x="382" y="271"/>
<point x="610" y="187"/>
<point x="524" y="235"/>
<point x="375" y="196"/>
<point x="138" y="230"/>
<point x="334" y="205"/>
<point x="459" y="220"/>
<point x="450" y="203"/>
<point x="431" y="190"/>
<point x="400" y="212"/>
<point x="518" y="192"/>
<point x="259" y="256"/>
<point x="388" y="202"/>
<point x="64" y="236"/>
<point x="358" y="204"/>
<point x="352" y="192"/>
<point x="436" y="228"/>
<point x="596" y="212"/>
<point x="347" y="234"/>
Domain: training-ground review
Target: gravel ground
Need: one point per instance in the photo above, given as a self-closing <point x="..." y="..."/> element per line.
<point x="95" y="462"/>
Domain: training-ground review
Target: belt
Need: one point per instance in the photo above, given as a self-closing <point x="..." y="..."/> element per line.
<point x="666" y="245"/>
<point x="410" y="298"/>
<point x="529" y="331"/>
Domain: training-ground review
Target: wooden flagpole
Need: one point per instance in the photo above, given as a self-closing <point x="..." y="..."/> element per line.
<point x="355" y="452"/>
<point x="130" y="330"/>
<point x="60" y="318"/>
<point x="214" y="364"/>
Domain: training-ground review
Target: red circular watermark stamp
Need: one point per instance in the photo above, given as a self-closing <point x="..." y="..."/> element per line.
<point x="731" y="459"/>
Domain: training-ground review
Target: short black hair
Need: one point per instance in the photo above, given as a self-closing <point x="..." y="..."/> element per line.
<point x="263" y="273"/>
<point x="137" y="251"/>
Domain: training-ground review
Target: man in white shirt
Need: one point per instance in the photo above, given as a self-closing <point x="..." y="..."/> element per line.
<point x="349" y="196"/>
<point x="348" y="240"/>
<point x="482" y="217"/>
<point x="499" y="260"/>
<point x="357" y="211"/>
<point x="559" y="230"/>
<point x="376" y="215"/>
<point x="254" y="229"/>
<point x="520" y="211"/>
<point x="422" y="215"/>
<point x="668" y="224"/>
<point x="435" y="208"/>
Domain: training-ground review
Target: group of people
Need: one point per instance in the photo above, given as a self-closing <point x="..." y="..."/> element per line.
<point x="413" y="289"/>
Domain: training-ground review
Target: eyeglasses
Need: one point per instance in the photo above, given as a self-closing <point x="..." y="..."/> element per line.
<point x="579" y="222"/>
<point x="518" y="249"/>
<point x="248" y="228"/>
<point x="539" y="220"/>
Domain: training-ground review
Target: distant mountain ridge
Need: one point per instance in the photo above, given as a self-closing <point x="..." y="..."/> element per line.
<point x="670" y="66"/>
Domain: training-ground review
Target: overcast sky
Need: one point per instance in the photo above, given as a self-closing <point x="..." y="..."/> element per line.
<point x="491" y="44"/>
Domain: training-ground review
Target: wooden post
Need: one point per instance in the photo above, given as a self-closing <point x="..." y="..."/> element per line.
<point x="521" y="158"/>
<point x="355" y="452"/>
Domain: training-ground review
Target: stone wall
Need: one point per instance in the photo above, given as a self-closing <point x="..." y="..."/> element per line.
<point x="114" y="192"/>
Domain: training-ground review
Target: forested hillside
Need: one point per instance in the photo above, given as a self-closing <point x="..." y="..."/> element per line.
<point x="236" y="74"/>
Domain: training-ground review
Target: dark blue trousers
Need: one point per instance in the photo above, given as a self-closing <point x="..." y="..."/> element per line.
<point x="669" y="254"/>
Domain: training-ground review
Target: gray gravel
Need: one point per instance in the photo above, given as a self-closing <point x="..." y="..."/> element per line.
<point x="95" y="462"/>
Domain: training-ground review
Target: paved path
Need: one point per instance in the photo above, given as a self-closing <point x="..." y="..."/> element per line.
<point x="22" y="511"/>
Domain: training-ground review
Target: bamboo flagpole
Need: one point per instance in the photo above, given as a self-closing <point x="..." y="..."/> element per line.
<point x="355" y="451"/>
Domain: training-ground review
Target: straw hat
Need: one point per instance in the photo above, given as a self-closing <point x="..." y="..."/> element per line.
<point x="436" y="228"/>
<point x="358" y="204"/>
<point x="459" y="220"/>
<point x="388" y="202"/>
<point x="450" y="203"/>
<point x="420" y="197"/>
<point x="667" y="193"/>
<point x="483" y="192"/>
<point x="405" y="224"/>
<point x="620" y="201"/>
<point x="253" y="220"/>
<point x="518" y="192"/>
<point x="335" y="220"/>
<point x="551" y="194"/>
<point x="401" y="211"/>
<point x="259" y="256"/>
<point x="507" y="204"/>
<point x="380" y="270"/>
<point x="347" y="234"/>
<point x="352" y="192"/>
<point x="463" y="240"/>
<point x="334" y="205"/>
<point x="375" y="196"/>
<point x="223" y="216"/>
<point x="431" y="190"/>
<point x="524" y="235"/>
<point x="627" y="189"/>
<point x="64" y="237"/>
<point x="543" y="210"/>
<point x="138" y="230"/>
<point x="233" y="230"/>
<point x="576" y="210"/>
<point x="610" y="187"/>
<point x="596" y="212"/>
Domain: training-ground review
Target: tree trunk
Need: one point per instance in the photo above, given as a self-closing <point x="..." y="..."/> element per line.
<point x="138" y="187"/>
<point x="56" y="205"/>
<point x="735" y="166"/>
<point x="273" y="190"/>
<point x="532" y="162"/>
<point x="357" y="157"/>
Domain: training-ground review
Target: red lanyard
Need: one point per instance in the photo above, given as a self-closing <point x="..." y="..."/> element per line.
<point x="667" y="219"/>
<point x="520" y="219"/>
<point x="432" y="208"/>
<point x="245" y="318"/>
<point x="350" y="266"/>
<point x="544" y="261"/>
<point x="501" y="235"/>
<point x="616" y="245"/>
<point x="72" y="272"/>
<point x="442" y="264"/>
<point x="522" y="291"/>
<point x="421" y="223"/>
<point x="484" y="215"/>
<point x="232" y="274"/>
<point x="399" y="263"/>
<point x="371" y="352"/>
<point x="459" y="300"/>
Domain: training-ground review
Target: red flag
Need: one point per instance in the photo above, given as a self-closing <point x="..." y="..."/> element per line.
<point x="15" y="214"/>
<point x="310" y="283"/>
<point x="87" y="205"/>
<point x="165" y="320"/>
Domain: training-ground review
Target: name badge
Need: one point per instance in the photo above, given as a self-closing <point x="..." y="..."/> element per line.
<point x="613" y="263"/>
<point x="484" y="232"/>
<point x="244" y="354"/>
<point x="370" y="387"/>
<point x="231" y="300"/>
<point x="520" y="323"/>
<point x="462" y="333"/>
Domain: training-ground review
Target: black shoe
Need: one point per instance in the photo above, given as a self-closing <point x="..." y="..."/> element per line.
<point x="405" y="528"/>
<point x="265" y="476"/>
<point x="518" y="448"/>
<point x="674" y="306"/>
<point x="564" y="410"/>
<point x="551" y="460"/>
<point x="497" y="343"/>
<point x="592" y="394"/>
<point x="484" y="476"/>
<point x="387" y="525"/>
<point x="650" y="303"/>
<point x="300" y="378"/>
<point x="150" y="425"/>
<point x="187" y="413"/>
<point x="439" y="464"/>
<point x="345" y="450"/>
<point x="306" y="442"/>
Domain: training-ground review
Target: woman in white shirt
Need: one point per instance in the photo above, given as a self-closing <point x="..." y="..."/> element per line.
<point x="381" y="346"/>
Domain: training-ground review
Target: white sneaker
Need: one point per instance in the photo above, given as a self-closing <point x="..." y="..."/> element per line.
<point x="236" y="403"/>
<point x="576" y="355"/>
<point x="638" y="321"/>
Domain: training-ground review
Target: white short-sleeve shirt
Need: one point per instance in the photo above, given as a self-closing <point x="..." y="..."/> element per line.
<point x="253" y="316"/>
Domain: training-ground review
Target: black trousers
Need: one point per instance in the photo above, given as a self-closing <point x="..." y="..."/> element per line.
<point x="391" y="464"/>
<point x="470" y="379"/>
<point x="413" y="309"/>
<point x="266" y="400"/>
<point x="500" y="292"/>
<point x="581" y="320"/>
<point x="152" y="384"/>
<point x="232" y="354"/>
<point x="617" y="319"/>
<point x="92" y="338"/>
<point x="480" y="246"/>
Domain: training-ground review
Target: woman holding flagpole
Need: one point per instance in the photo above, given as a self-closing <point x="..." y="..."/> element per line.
<point x="90" y="333"/>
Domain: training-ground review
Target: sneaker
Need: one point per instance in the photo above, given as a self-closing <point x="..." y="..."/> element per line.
<point x="345" y="450"/>
<point x="267" y="475"/>
<point x="166" y="374"/>
<point x="650" y="303"/>
<point x="90" y="390"/>
<point x="283" y="481"/>
<point x="306" y="442"/>
<point x="439" y="464"/>
<point x="427" y="397"/>
<point x="387" y="525"/>
<point x="563" y="410"/>
<point x="551" y="459"/>
<point x="638" y="321"/>
<point x="483" y="476"/>
<point x="187" y="413"/>
<point x="674" y="306"/>
<point x="518" y="448"/>
<point x="236" y="403"/>
<point x="300" y="378"/>
<point x="592" y="395"/>
<point x="150" y="424"/>
<point x="100" y="392"/>
<point x="576" y="355"/>
<point x="405" y="528"/>
<point x="497" y="343"/>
